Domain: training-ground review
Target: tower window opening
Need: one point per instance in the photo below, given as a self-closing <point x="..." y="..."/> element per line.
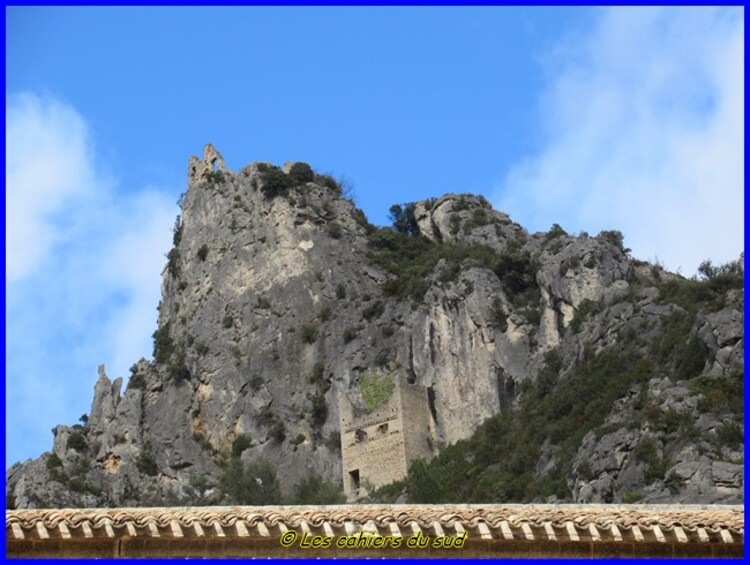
<point x="354" y="477"/>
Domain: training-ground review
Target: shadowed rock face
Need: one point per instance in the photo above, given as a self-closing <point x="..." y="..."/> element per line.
<point x="271" y="303"/>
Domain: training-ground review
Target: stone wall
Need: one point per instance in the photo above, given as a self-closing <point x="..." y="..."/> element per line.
<point x="420" y="441"/>
<point x="376" y="447"/>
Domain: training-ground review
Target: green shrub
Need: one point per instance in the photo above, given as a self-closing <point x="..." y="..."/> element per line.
<point x="462" y="203"/>
<point x="228" y="321"/>
<point x="214" y="177"/>
<point x="585" y="308"/>
<point x="325" y="313"/>
<point x="256" y="381"/>
<point x="674" y="482"/>
<point x="234" y="349"/>
<point x="411" y="259"/>
<point x="602" y="431"/>
<point x="340" y="291"/>
<point x="82" y="466"/>
<point x="163" y="344"/>
<point x="584" y="471"/>
<point x="58" y="475"/>
<point x="723" y="277"/>
<point x="319" y="411"/>
<point x="554" y="232"/>
<point x="454" y="223"/>
<point x="200" y="491"/>
<point x="449" y="273"/>
<point x="351" y="332"/>
<point x="552" y="484"/>
<point x="375" y="310"/>
<point x="361" y="219"/>
<point x="479" y="217"/>
<point x="313" y="490"/>
<point x="177" y="369"/>
<point x="533" y="315"/>
<point x="327" y="181"/>
<point x="146" y="463"/>
<point x="317" y="375"/>
<point x="266" y="417"/>
<point x="686" y="293"/>
<point x="274" y="182"/>
<point x="334" y="229"/>
<point x="730" y="435"/>
<point x="720" y="394"/>
<point x="548" y="375"/>
<point x="515" y="272"/>
<point x="301" y="173"/>
<point x="173" y="262"/>
<point x="615" y="238"/>
<point x="469" y="286"/>
<point x="10" y="496"/>
<point x="403" y="219"/>
<point x="423" y="484"/>
<point x="177" y="231"/>
<point x="388" y="494"/>
<point x="646" y="453"/>
<point x="382" y="358"/>
<point x="201" y="440"/>
<point x="76" y="484"/>
<point x="277" y="428"/>
<point x="512" y="247"/>
<point x="693" y="359"/>
<point x="53" y="461"/>
<point x="203" y="252"/>
<point x="632" y="497"/>
<point x="671" y="421"/>
<point x="136" y="381"/>
<point x="671" y="346"/>
<point x="255" y="485"/>
<point x="240" y="444"/>
<point x="309" y="333"/>
<point x="76" y="441"/>
<point x="278" y="431"/>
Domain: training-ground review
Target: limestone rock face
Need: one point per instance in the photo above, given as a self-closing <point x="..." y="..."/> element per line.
<point x="617" y="467"/>
<point x="272" y="306"/>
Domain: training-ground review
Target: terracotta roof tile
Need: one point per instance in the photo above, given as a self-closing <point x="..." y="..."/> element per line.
<point x="495" y="524"/>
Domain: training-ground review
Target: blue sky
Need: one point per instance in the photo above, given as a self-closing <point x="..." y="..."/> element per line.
<point x="624" y="118"/>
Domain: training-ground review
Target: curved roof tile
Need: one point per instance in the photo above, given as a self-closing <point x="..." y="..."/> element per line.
<point x="489" y="529"/>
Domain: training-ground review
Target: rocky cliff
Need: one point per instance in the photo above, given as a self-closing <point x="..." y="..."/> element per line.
<point x="278" y="296"/>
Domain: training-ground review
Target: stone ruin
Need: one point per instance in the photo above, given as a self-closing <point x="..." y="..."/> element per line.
<point x="377" y="447"/>
<point x="212" y="161"/>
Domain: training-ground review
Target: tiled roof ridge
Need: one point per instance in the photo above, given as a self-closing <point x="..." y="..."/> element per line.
<point x="690" y="517"/>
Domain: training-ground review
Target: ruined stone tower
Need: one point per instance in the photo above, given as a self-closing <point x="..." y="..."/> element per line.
<point x="212" y="161"/>
<point x="377" y="446"/>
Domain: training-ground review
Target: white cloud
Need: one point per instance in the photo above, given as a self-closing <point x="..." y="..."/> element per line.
<point x="83" y="271"/>
<point x="46" y="166"/>
<point x="643" y="121"/>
